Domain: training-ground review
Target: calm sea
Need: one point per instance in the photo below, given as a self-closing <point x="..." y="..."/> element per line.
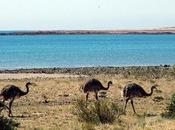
<point x="37" y="51"/>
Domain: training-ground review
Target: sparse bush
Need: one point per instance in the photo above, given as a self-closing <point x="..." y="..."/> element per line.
<point x="170" y="109"/>
<point x="7" y="124"/>
<point x="141" y="121"/>
<point x="102" y="111"/>
<point x="158" y="98"/>
<point x="88" y="126"/>
<point x="85" y="111"/>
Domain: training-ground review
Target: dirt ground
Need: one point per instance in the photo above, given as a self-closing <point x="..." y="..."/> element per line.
<point x="49" y="105"/>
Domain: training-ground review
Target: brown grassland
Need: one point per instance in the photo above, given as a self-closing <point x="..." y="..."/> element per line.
<point x="50" y="104"/>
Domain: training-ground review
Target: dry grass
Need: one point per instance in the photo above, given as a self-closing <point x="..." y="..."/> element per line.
<point x="48" y="106"/>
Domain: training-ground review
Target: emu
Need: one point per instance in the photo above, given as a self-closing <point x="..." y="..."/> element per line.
<point x="133" y="90"/>
<point x="94" y="85"/>
<point x="10" y="92"/>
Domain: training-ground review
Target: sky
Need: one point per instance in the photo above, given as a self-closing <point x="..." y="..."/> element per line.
<point x="86" y="14"/>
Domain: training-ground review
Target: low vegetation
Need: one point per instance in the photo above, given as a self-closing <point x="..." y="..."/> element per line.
<point x="96" y="112"/>
<point x="7" y="124"/>
<point x="170" y="109"/>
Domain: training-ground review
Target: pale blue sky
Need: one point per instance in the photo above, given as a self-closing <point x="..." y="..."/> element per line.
<point x="85" y="14"/>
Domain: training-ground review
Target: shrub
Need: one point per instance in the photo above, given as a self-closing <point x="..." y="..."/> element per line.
<point x="158" y="98"/>
<point x="7" y="124"/>
<point x="141" y="122"/>
<point x="102" y="111"/>
<point x="170" y="109"/>
<point x="88" y="126"/>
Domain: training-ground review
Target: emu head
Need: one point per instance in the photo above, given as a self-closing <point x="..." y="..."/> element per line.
<point x="29" y="83"/>
<point x="109" y="83"/>
<point x="154" y="87"/>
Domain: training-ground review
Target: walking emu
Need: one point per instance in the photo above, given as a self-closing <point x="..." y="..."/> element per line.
<point x="134" y="90"/>
<point x="94" y="85"/>
<point x="10" y="92"/>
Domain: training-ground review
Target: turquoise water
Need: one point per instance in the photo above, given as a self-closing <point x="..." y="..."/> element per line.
<point x="85" y="50"/>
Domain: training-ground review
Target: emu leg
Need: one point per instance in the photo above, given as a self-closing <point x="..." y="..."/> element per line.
<point x="133" y="106"/>
<point x="87" y="96"/>
<point x="2" y="106"/>
<point x="96" y="96"/>
<point x="10" y="106"/>
<point x="1" y="109"/>
<point x="127" y="99"/>
<point x="124" y="99"/>
<point x="6" y="107"/>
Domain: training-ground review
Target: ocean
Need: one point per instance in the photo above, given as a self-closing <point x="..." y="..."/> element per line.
<point x="42" y="51"/>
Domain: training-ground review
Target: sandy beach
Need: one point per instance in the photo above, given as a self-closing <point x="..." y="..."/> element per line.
<point x="49" y="105"/>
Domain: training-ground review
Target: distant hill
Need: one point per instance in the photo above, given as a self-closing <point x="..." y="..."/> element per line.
<point x="163" y="30"/>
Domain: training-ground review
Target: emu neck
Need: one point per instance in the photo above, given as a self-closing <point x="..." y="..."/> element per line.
<point x="25" y="92"/>
<point x="149" y="94"/>
<point x="106" y="88"/>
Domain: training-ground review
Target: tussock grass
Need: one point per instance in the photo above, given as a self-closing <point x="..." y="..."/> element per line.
<point x="158" y="98"/>
<point x="141" y="121"/>
<point x="170" y="109"/>
<point x="8" y="124"/>
<point x="88" y="126"/>
<point x="96" y="112"/>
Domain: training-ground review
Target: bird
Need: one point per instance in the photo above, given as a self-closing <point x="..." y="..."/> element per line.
<point x="133" y="90"/>
<point x="10" y="92"/>
<point x="94" y="85"/>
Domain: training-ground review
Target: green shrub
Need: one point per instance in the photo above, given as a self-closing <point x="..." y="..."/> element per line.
<point x="102" y="111"/>
<point x="7" y="124"/>
<point x="170" y="109"/>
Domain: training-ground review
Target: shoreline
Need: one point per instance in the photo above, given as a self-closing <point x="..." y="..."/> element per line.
<point x="136" y="71"/>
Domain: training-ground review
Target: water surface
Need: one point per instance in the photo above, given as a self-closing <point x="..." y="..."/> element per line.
<point x="35" y="51"/>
